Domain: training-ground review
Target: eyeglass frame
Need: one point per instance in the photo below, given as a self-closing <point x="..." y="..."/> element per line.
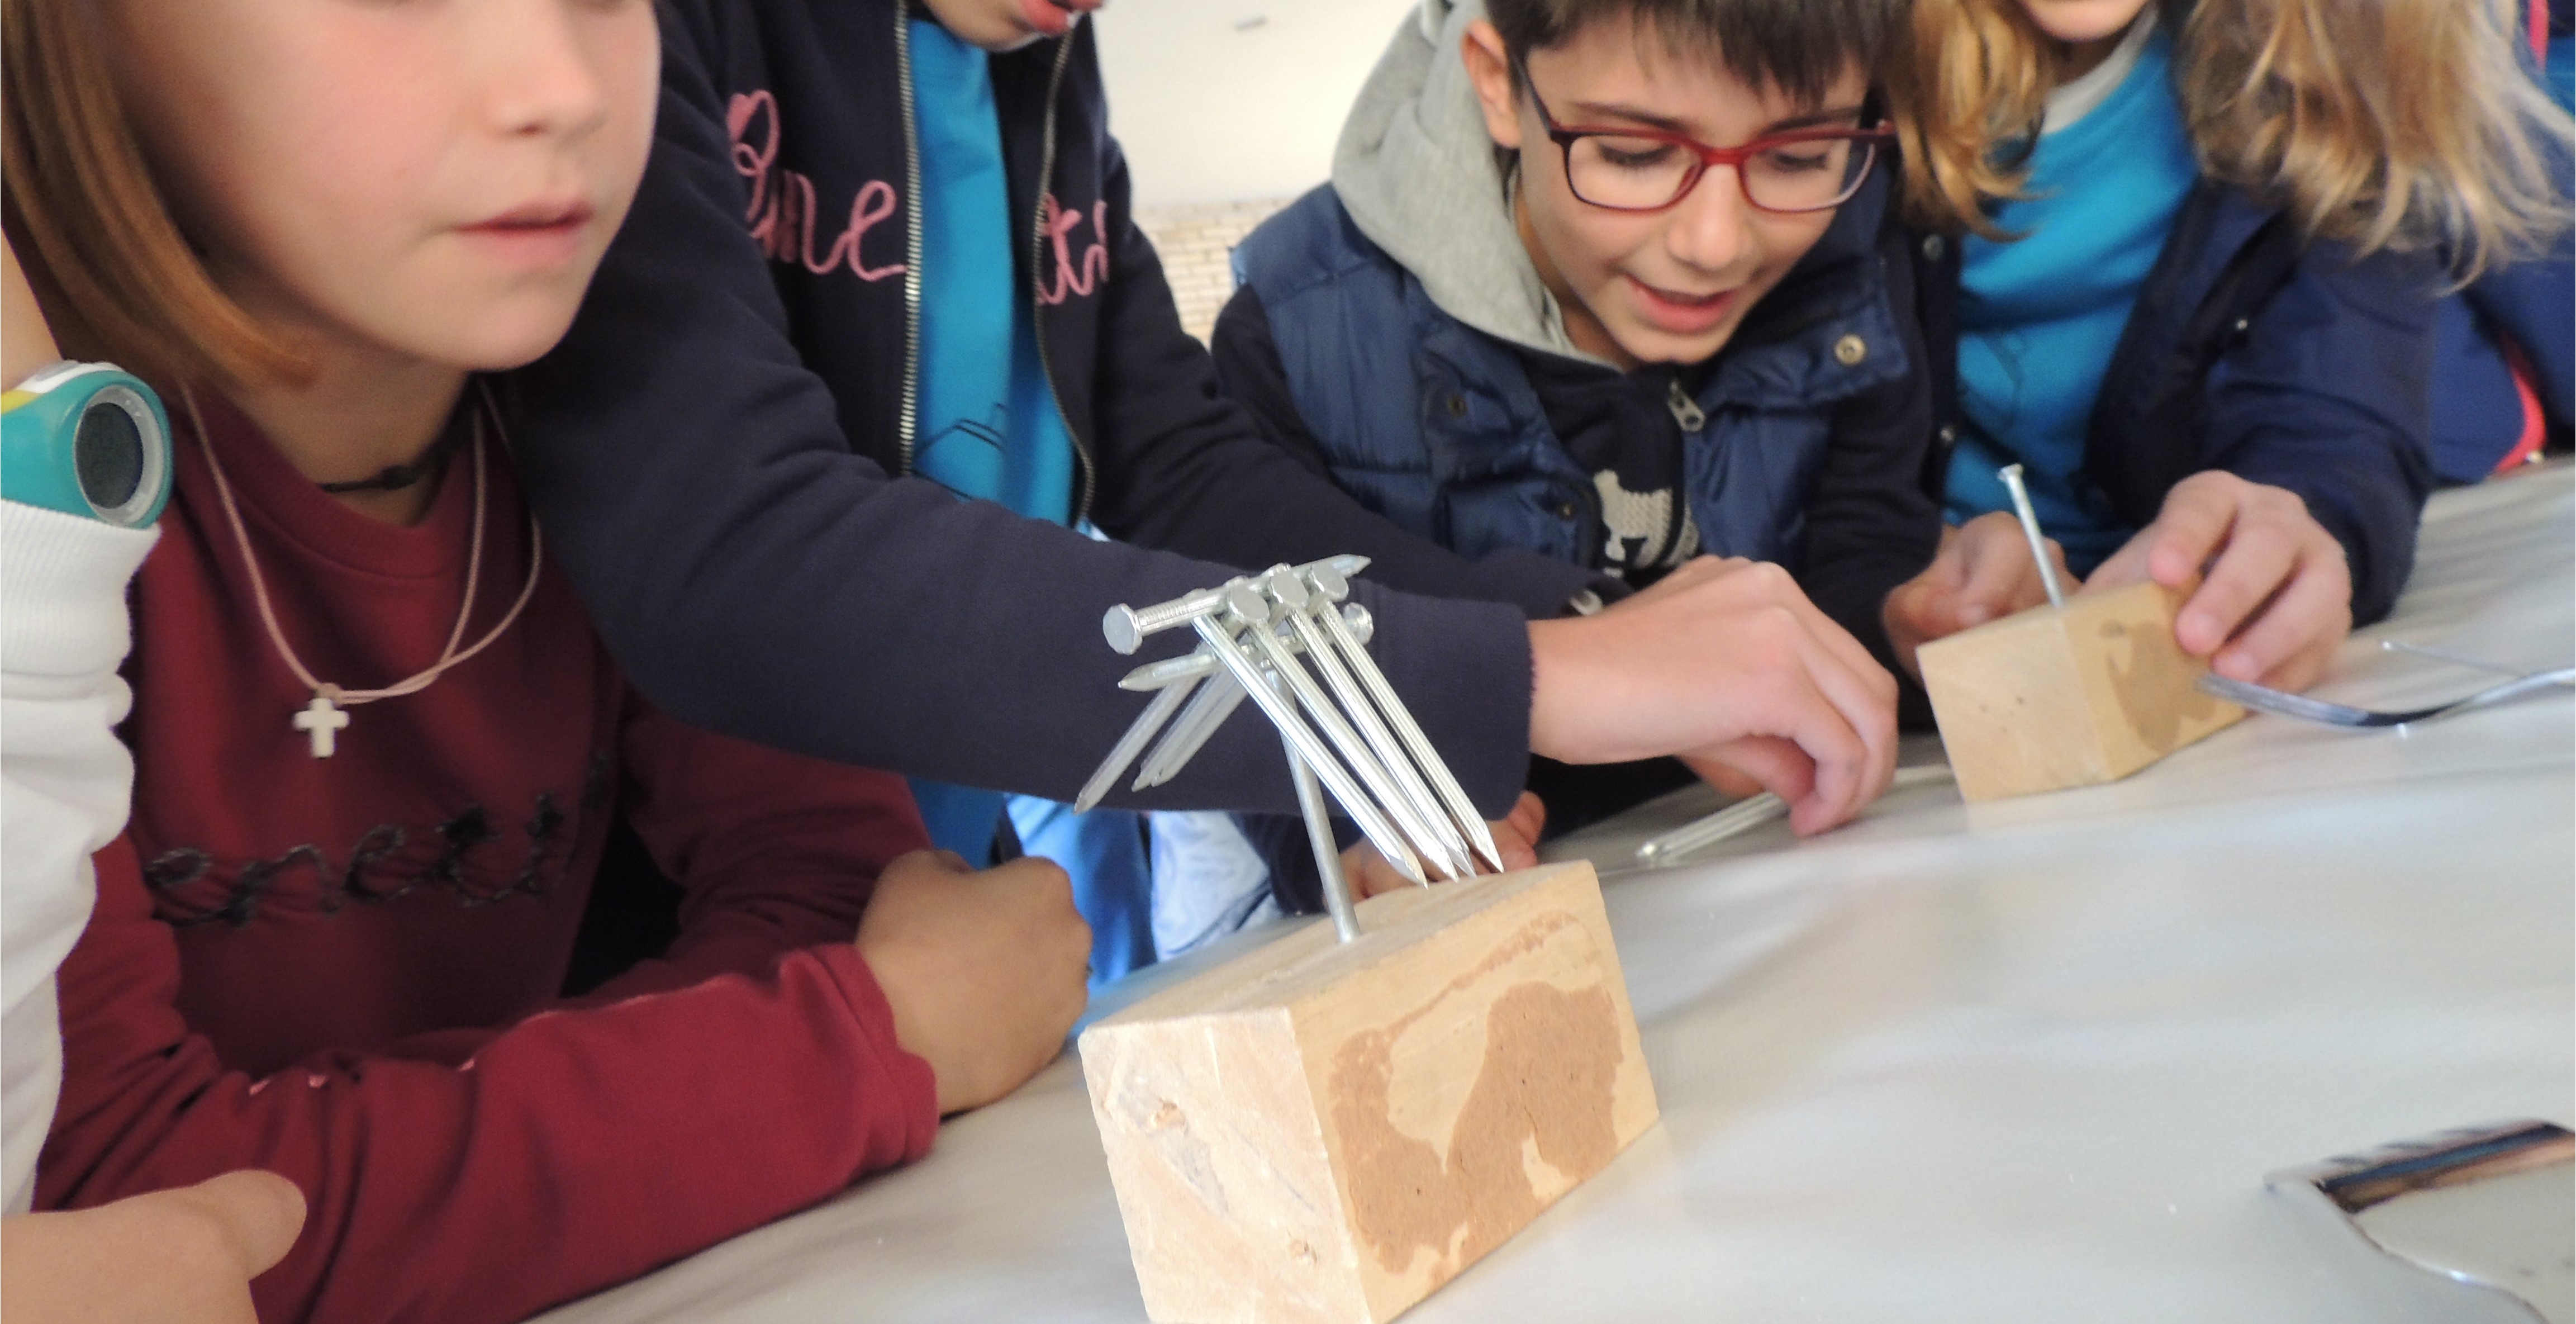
<point x="1732" y="158"/>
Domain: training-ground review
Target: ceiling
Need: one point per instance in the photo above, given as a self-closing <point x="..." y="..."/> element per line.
<point x="1228" y="100"/>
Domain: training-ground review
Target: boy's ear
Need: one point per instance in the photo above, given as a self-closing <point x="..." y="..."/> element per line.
<point x="1496" y="90"/>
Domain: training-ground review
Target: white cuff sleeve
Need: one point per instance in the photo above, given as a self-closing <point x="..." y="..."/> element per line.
<point x="65" y="783"/>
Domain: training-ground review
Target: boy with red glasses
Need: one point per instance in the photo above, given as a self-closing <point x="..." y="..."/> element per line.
<point x="1539" y="307"/>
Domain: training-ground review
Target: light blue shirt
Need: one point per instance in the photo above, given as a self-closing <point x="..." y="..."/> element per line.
<point x="2040" y="316"/>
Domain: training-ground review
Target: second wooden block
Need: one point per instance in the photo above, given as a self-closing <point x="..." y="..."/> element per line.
<point x="2052" y="698"/>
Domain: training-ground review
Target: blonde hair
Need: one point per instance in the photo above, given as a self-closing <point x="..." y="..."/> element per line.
<point x="116" y="274"/>
<point x="2400" y="124"/>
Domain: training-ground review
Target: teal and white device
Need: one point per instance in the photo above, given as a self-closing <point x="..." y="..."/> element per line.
<point x="87" y="439"/>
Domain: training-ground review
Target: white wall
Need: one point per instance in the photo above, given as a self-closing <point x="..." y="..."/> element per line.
<point x="1233" y="100"/>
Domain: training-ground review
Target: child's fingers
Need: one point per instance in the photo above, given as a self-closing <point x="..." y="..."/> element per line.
<point x="1823" y="780"/>
<point x="2001" y="578"/>
<point x="1864" y="698"/>
<point x="2259" y="557"/>
<point x="1767" y="762"/>
<point x="1920" y="609"/>
<point x="1369" y="874"/>
<point x="1529" y="816"/>
<point x="2296" y="634"/>
<point x="1820" y="688"/>
<point x="1516" y="835"/>
<point x="2196" y="521"/>
<point x="2124" y="567"/>
<point x="1518" y="852"/>
<point x="1729" y="783"/>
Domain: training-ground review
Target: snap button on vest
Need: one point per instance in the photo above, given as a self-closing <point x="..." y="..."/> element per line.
<point x="1850" y="350"/>
<point x="1456" y="404"/>
<point x="1565" y="508"/>
<point x="1932" y="247"/>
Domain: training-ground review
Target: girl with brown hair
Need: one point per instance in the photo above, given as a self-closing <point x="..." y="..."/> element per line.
<point x="377" y="746"/>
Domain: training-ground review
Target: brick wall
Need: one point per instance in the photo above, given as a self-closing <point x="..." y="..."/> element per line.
<point x="1193" y="242"/>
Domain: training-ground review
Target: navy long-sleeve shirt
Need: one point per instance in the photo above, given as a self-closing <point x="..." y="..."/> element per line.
<point x="714" y="450"/>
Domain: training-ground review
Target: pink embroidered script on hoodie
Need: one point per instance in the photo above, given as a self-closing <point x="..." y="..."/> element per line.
<point x="1072" y="278"/>
<point x="782" y="212"/>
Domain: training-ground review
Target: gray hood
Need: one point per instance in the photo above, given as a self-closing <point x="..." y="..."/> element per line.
<point x="1415" y="170"/>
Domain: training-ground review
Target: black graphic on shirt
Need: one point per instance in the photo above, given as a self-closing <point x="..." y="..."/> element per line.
<point x="453" y="857"/>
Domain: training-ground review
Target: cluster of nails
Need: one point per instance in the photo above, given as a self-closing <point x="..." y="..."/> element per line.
<point x="1341" y="722"/>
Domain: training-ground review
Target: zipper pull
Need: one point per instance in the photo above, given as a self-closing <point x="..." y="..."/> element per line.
<point x="1686" y="411"/>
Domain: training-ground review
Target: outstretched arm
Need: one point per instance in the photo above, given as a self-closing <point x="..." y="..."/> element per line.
<point x="755" y="576"/>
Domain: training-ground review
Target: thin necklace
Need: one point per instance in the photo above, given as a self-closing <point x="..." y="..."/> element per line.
<point x="397" y="477"/>
<point x="323" y="719"/>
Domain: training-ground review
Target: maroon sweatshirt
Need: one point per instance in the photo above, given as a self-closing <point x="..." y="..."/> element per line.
<point x="345" y="969"/>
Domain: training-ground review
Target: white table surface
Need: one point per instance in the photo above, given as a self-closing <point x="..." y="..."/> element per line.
<point x="2027" y="1061"/>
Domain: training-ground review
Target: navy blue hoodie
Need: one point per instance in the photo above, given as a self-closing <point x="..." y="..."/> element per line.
<point x="716" y="448"/>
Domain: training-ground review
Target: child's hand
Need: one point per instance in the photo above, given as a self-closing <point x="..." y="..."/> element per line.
<point x="1724" y="778"/>
<point x="2276" y="601"/>
<point x="1982" y="573"/>
<point x="985" y="971"/>
<point x="1722" y="661"/>
<point x="1516" y="836"/>
<point x="185" y="1255"/>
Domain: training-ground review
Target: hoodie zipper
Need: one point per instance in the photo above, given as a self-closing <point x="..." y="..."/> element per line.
<point x="1037" y="255"/>
<point x="1692" y="418"/>
<point x="908" y="412"/>
<point x="1686" y="411"/>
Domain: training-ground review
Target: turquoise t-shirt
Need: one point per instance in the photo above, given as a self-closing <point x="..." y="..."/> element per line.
<point x="2040" y="316"/>
<point x="989" y="426"/>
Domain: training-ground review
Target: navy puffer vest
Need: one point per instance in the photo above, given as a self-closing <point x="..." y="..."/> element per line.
<point x="1435" y="426"/>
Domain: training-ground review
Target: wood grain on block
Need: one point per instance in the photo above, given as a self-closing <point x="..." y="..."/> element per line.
<point x="1324" y="1131"/>
<point x="2052" y="698"/>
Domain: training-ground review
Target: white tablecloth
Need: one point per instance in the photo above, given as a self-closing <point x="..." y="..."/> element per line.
<point x="2027" y="1061"/>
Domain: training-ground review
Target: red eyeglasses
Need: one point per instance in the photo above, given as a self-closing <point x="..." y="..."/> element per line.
<point x="1642" y="170"/>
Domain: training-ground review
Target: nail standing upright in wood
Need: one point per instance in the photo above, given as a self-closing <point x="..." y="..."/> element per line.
<point x="2074" y="696"/>
<point x="1327" y="1132"/>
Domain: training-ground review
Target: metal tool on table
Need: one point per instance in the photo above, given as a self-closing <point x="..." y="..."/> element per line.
<point x="1287" y="641"/>
<point x="2249" y="695"/>
<point x="2471" y="663"/>
<point x="1752" y="812"/>
<point x="2491" y="1207"/>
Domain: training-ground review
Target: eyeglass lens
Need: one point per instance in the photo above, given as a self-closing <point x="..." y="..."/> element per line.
<point x="1607" y="170"/>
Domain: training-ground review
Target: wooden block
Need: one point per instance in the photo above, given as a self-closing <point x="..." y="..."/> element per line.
<point x="1324" y="1131"/>
<point x="2052" y="698"/>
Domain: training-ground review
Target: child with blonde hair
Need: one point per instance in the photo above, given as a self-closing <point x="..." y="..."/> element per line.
<point x="2179" y="263"/>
